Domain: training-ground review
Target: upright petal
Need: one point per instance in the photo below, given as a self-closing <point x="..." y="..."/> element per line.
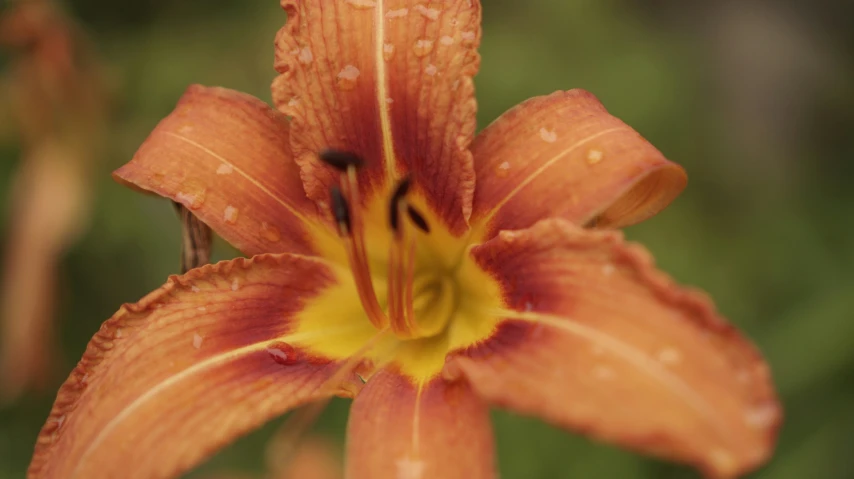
<point x="225" y="156"/>
<point x="564" y="156"/>
<point x="203" y="359"/>
<point x="399" y="429"/>
<point x="387" y="80"/>
<point x="598" y="341"/>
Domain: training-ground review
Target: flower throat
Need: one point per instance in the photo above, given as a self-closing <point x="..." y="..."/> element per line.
<point x="431" y="296"/>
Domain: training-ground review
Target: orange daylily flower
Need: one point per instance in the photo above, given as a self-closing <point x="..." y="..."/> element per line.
<point x="400" y="260"/>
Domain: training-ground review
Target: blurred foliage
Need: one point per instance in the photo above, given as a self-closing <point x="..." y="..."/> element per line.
<point x="754" y="98"/>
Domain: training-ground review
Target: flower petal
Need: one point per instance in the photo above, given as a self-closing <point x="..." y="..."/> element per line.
<point x="389" y="81"/>
<point x="190" y="367"/>
<point x="601" y="342"/>
<point x="564" y="156"/>
<point x="399" y="429"/>
<point x="225" y="156"/>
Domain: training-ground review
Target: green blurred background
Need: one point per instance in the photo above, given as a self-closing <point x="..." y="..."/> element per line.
<point x="755" y="98"/>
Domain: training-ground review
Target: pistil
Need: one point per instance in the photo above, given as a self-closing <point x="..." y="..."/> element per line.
<point x="401" y="273"/>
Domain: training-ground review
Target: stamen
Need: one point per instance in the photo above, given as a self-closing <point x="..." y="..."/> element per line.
<point x="396" y="200"/>
<point x="341" y="212"/>
<point x="340" y="160"/>
<point x="402" y="262"/>
<point x="350" y="229"/>
<point x="408" y="281"/>
<point x="417" y="219"/>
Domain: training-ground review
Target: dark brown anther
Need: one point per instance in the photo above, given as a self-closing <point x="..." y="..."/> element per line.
<point x="417" y="219"/>
<point x="399" y="194"/>
<point x="341" y="211"/>
<point x="340" y="160"/>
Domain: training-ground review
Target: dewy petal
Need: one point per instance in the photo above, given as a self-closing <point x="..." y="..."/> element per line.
<point x="399" y="429"/>
<point x="564" y="155"/>
<point x="225" y="156"/>
<point x="602" y="343"/>
<point x="389" y="80"/>
<point x="203" y="359"/>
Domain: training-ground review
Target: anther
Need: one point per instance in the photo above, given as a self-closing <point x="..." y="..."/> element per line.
<point x="399" y="194"/>
<point x="340" y="160"/>
<point x="341" y="211"/>
<point x="417" y="219"/>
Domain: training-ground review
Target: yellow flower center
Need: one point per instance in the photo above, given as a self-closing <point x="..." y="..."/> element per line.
<point x="406" y="275"/>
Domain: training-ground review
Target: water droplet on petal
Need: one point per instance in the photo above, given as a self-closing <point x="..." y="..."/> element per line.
<point x="197" y="340"/>
<point x="594" y="156"/>
<point x="347" y="77"/>
<point x="669" y="356"/>
<point x="270" y="232"/>
<point x="283" y="353"/>
<point x="401" y="12"/>
<point x="305" y="56"/>
<point x="431" y="70"/>
<point x="230" y="214"/>
<point x="195" y="289"/>
<point x="430" y="13"/>
<point x="608" y="269"/>
<point x="423" y="47"/>
<point x="762" y="416"/>
<point x="446" y="40"/>
<point x="192" y="195"/>
<point x="410" y="468"/>
<point x="224" y="169"/>
<point x="202" y="309"/>
<point x="603" y="373"/>
<point x="118" y="332"/>
<point x="468" y="37"/>
<point x="235" y="284"/>
<point x="388" y="51"/>
<point x="362" y="4"/>
<point x="502" y="170"/>
<point x="549" y="136"/>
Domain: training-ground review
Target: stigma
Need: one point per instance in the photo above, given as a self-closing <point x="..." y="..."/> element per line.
<point x="405" y="223"/>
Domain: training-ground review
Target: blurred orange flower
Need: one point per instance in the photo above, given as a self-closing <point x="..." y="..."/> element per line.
<point x="59" y="106"/>
<point x="314" y="458"/>
<point x="402" y="261"/>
